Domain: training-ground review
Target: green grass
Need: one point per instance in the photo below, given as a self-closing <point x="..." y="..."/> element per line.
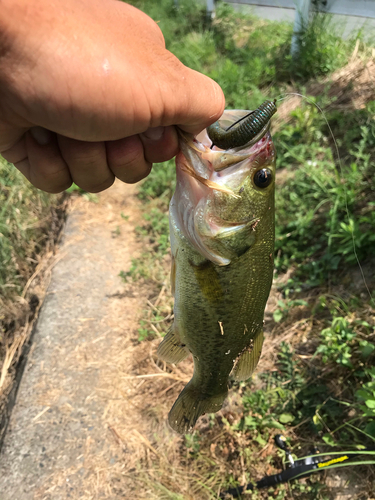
<point x="331" y="202"/>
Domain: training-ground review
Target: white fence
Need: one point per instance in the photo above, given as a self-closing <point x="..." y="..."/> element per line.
<point x="357" y="13"/>
<point x="358" y="8"/>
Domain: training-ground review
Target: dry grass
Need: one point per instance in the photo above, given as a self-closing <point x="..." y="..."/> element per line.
<point x="21" y="317"/>
<point x="349" y="88"/>
<point x="31" y="222"/>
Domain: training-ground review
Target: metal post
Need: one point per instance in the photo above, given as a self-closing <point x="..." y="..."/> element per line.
<point x="300" y="23"/>
<point x="210" y="9"/>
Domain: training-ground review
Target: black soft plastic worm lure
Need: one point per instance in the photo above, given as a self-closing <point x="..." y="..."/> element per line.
<point x="248" y="129"/>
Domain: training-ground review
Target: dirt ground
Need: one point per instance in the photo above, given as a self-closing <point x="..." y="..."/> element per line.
<point x="84" y="414"/>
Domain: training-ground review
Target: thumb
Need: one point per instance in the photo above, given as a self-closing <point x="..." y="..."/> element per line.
<point x="202" y="103"/>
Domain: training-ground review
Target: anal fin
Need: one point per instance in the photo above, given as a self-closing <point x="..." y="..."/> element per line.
<point x="248" y="359"/>
<point x="171" y="349"/>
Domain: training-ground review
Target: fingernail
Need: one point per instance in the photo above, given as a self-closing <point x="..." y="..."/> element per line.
<point x="154" y="133"/>
<point x="41" y="135"/>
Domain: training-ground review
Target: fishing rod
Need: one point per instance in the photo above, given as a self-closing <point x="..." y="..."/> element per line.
<point x="299" y="468"/>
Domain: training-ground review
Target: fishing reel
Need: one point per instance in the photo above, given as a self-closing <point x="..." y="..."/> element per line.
<point x="280" y="442"/>
<point x="302" y="467"/>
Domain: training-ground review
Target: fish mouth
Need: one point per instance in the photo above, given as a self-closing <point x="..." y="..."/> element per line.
<point x="217" y="169"/>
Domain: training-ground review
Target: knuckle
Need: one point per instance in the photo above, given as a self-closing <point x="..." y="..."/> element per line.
<point x="55" y="188"/>
<point x="139" y="174"/>
<point x="51" y="177"/>
<point x="124" y="152"/>
<point x="126" y="159"/>
<point x="81" y="154"/>
<point x="100" y="186"/>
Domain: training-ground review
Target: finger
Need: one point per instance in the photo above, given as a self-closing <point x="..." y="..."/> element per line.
<point x="44" y="167"/>
<point x="24" y="167"/>
<point x="87" y="162"/>
<point x="126" y="159"/>
<point x="17" y="152"/>
<point x="10" y="135"/>
<point x="160" y="144"/>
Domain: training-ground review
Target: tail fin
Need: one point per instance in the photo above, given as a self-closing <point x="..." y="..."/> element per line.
<point x="190" y="405"/>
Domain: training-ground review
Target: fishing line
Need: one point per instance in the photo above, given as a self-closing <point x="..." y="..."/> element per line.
<point x="238" y="121"/>
<point x="284" y="96"/>
<point x="288" y="94"/>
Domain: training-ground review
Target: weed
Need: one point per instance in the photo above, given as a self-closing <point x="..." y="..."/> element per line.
<point x="284" y="306"/>
<point x="157" y="230"/>
<point x="160" y="183"/>
<point x="138" y="269"/>
<point x="337" y="341"/>
<point x="366" y="395"/>
<point x="320" y="235"/>
<point x="321" y="50"/>
<point x="145" y="333"/>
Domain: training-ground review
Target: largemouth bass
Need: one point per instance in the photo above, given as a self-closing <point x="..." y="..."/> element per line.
<point x="222" y="241"/>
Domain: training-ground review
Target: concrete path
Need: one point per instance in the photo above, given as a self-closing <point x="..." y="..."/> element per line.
<point x="64" y="438"/>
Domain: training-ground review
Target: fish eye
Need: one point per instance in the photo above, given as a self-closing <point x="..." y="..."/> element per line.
<point x="263" y="178"/>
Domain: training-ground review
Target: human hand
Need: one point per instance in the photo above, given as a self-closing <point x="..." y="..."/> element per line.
<point x="89" y="93"/>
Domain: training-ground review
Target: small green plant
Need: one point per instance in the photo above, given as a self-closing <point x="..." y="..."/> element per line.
<point x="192" y="443"/>
<point x="284" y="306"/>
<point x="145" y="333"/>
<point x="337" y="342"/>
<point x="89" y="196"/>
<point x="138" y="269"/>
<point x="366" y="396"/>
<point x="157" y="229"/>
<point x="344" y="339"/>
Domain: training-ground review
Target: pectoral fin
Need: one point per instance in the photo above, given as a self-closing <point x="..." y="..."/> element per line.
<point x="237" y="239"/>
<point x="248" y="359"/>
<point x="228" y="240"/>
<point x="171" y="349"/>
